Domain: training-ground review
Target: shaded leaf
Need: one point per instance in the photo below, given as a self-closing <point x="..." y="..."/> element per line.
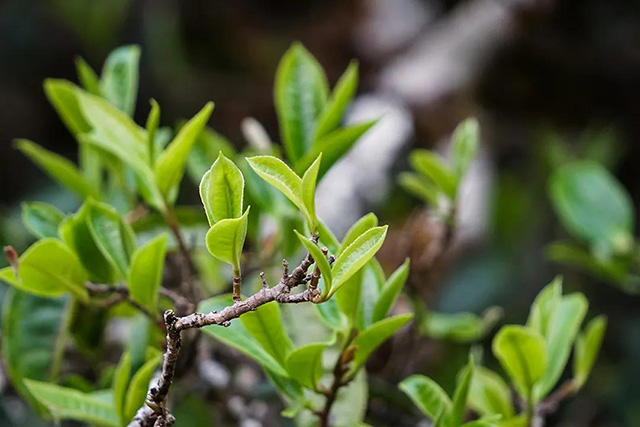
<point x="42" y="219"/>
<point x="265" y="326"/>
<point x="137" y="390"/>
<point x="419" y="187"/>
<point x="465" y="145"/>
<point x="304" y="364"/>
<point x="145" y="275"/>
<point x="427" y="395"/>
<point x="433" y="166"/>
<point x="459" y="327"/>
<point x="587" y="348"/>
<point x="490" y="394"/>
<point x="87" y="76"/>
<point x="390" y="291"/>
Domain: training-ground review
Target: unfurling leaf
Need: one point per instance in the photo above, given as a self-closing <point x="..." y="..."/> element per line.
<point x="169" y="167"/>
<point x="587" y="348"/>
<point x="522" y="352"/>
<point x="41" y="219"/>
<point x="225" y="239"/>
<point x="145" y="275"/>
<point x="355" y="256"/>
<point x="87" y="77"/>
<point x="222" y="190"/>
<point x="153" y="120"/>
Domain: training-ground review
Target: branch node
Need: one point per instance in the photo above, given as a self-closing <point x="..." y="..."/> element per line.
<point x="265" y="285"/>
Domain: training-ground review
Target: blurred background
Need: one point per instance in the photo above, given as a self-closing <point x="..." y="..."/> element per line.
<point x="548" y="80"/>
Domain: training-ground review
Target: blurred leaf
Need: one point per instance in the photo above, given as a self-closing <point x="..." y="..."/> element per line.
<point x="370" y="339"/>
<point x="544" y="308"/>
<point x="593" y="206"/>
<point x="362" y="225"/>
<point x="587" y="348"/>
<point x="461" y="394"/>
<point x="335" y="108"/>
<point x="522" y="352"/>
<point x="48" y="268"/>
<point x="31" y="327"/>
<point x="460" y="327"/>
<point x="319" y="258"/>
<point x="63" y="95"/>
<point x="489" y="394"/>
<point x="265" y="326"/>
<point x="300" y="95"/>
<point x="88" y="77"/>
<point x="304" y="364"/>
<point x="119" y="80"/>
<point x="333" y="147"/>
<point x="427" y="395"/>
<point x="356" y="255"/>
<point x="434" y="167"/>
<point x="67" y="403"/>
<point x="419" y="187"/>
<point x="464" y="146"/>
<point x="222" y="190"/>
<point x="58" y="168"/>
<point x="153" y="120"/>
<point x="42" y="219"/>
<point x="390" y="291"/>
<point x="225" y="239"/>
<point x="137" y="389"/>
<point x="145" y="275"/>
<point x="561" y="336"/>
<point x="330" y="314"/>
<point x="309" y="192"/>
<point x="236" y="336"/>
<point x="120" y="385"/>
<point x="169" y="167"/>
<point x="112" y="235"/>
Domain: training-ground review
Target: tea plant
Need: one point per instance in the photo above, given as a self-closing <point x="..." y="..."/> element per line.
<point x="533" y="356"/>
<point x="125" y="253"/>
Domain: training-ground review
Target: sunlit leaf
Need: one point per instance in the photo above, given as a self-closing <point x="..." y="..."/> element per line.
<point x="222" y="190"/>
<point x="63" y="95"/>
<point x="461" y="393"/>
<point x="278" y="174"/>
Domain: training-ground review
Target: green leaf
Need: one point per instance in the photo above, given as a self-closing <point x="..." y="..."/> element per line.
<point x="433" y="166"/>
<point x="278" y="174"/>
<point x="329" y="313"/>
<point x="461" y="394"/>
<point x="561" y="336"/>
<point x="145" y="275"/>
<point x="120" y="385"/>
<point x="361" y="226"/>
<point x="87" y="76"/>
<point x="356" y="255"/>
<point x="33" y="330"/>
<point x="370" y="339"/>
<point x="593" y="205"/>
<point x="350" y="297"/>
<point x="427" y="395"/>
<point x="319" y="258"/>
<point x="522" y="353"/>
<point x="342" y="95"/>
<point x="333" y="147"/>
<point x="48" y="268"/>
<point x="489" y="394"/>
<point x="390" y="291"/>
<point x="222" y="190"/>
<point x="153" y="120"/>
<point x="587" y="348"/>
<point x="58" y="168"/>
<point x="373" y="280"/>
<point x="67" y="403"/>
<point x="119" y="81"/>
<point x="63" y="96"/>
<point x="300" y="95"/>
<point x="42" y="219"/>
<point x="225" y="239"/>
<point x="309" y="192"/>
<point x="169" y="167"/>
<point x="544" y="308"/>
<point x="304" y="364"/>
<point x="112" y="235"/>
<point x="137" y="390"/>
<point x="459" y="327"/>
<point x="419" y="187"/>
<point x="465" y="145"/>
<point x="74" y="231"/>
<point x="265" y="326"/>
<point x="237" y="336"/>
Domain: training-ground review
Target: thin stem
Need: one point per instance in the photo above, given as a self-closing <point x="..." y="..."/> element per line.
<point x="187" y="265"/>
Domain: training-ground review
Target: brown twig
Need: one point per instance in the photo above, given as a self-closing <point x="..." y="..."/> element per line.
<point x="155" y="411"/>
<point x="550" y="404"/>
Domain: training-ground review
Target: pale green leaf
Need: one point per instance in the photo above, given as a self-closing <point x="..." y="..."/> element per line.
<point x="329" y="313"/>
<point x="460" y="327"/>
<point x="420" y="187"/>
<point x="341" y="96"/>
<point x="464" y="146"/>
<point x="309" y="192"/>
<point x="265" y="326"/>
<point x="119" y="80"/>
<point x="390" y="291"/>
<point x="278" y="174"/>
<point x="427" y="395"/>
<point x="356" y="255"/>
<point x="522" y="352"/>
<point x="153" y="120"/>
<point x="58" y="168"/>
<point x="304" y="364"/>
<point x="169" y="167"/>
<point x="63" y="95"/>
<point x="138" y="387"/>
<point x="67" y="403"/>
<point x="489" y="394"/>
<point x="587" y="348"/>
<point x="145" y="275"/>
<point x="87" y="76"/>
<point x="300" y="95"/>
<point x="222" y="190"/>
<point x="361" y="226"/>
<point x="42" y="219"/>
<point x="433" y="166"/>
<point x="225" y="239"/>
<point x="121" y="377"/>
<point x="461" y="394"/>
<point x="544" y="308"/>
